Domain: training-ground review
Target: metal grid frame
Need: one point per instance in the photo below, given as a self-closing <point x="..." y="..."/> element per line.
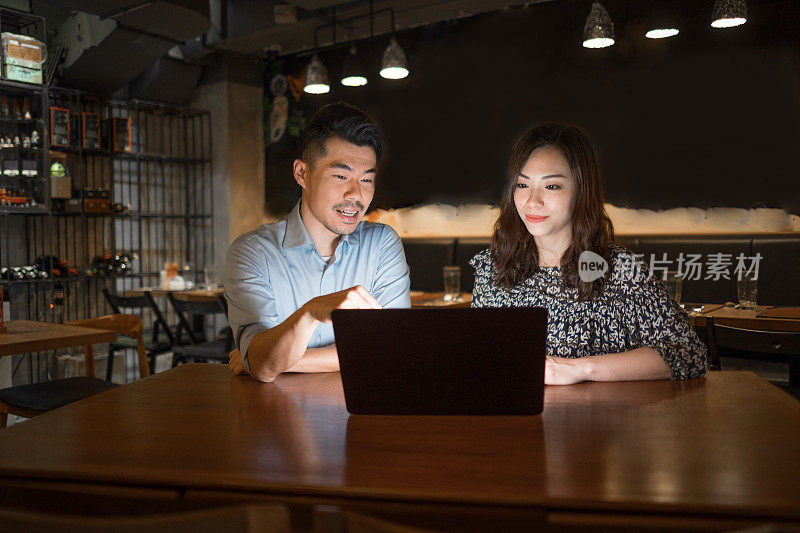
<point x="166" y="179"/>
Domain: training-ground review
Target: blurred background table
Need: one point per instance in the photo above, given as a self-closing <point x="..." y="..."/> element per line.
<point x="25" y="336"/>
<point x="200" y="295"/>
<point x="742" y="318"/>
<point x="436" y="299"/>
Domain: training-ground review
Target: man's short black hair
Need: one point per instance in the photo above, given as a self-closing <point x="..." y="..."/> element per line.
<point x="344" y="121"/>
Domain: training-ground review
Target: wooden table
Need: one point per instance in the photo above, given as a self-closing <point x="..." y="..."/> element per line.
<point x="200" y="295"/>
<point x="745" y="318"/>
<point x="26" y="336"/>
<point x="418" y="298"/>
<point x="436" y="299"/>
<point x="720" y="452"/>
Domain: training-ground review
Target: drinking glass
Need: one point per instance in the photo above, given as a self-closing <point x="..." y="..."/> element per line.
<point x="189" y="275"/>
<point x="747" y="287"/>
<point x="210" y="276"/>
<point x="673" y="281"/>
<point x="452" y="283"/>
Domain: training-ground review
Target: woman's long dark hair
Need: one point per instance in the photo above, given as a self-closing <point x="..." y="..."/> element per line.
<point x="513" y="249"/>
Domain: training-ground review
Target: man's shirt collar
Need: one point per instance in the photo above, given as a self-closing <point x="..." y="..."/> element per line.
<point x="297" y="234"/>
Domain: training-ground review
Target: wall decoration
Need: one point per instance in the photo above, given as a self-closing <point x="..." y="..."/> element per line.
<point x="284" y="122"/>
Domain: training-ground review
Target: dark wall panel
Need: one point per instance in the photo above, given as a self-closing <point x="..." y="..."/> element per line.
<point x="709" y="118"/>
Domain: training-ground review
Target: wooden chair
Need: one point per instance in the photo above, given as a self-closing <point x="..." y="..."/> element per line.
<point x="157" y="340"/>
<point x="195" y="347"/>
<point x="37" y="398"/>
<point x="762" y="342"/>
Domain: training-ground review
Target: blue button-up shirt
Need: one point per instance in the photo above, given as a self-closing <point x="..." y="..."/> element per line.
<point x="272" y="271"/>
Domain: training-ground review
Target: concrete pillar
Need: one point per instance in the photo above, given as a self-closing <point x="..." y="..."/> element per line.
<point x="231" y="91"/>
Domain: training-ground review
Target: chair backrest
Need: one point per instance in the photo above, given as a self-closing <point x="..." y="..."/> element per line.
<point x="186" y="309"/>
<point x="146" y="301"/>
<point x="130" y="325"/>
<point x="130" y="302"/>
<point x="751" y="340"/>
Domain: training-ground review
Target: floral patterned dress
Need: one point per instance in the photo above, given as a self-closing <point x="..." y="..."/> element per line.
<point x="633" y="311"/>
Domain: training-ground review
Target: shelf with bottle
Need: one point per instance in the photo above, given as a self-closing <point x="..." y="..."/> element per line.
<point x="22" y="186"/>
<point x="76" y="278"/>
<point x="16" y="111"/>
<point x="33" y="120"/>
<point x="48" y="268"/>
<point x="18" y="193"/>
<point x="149" y="157"/>
<point x="127" y="213"/>
<point x="18" y="85"/>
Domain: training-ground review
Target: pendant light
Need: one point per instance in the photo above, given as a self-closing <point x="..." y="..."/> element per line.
<point x="394" y="65"/>
<point x="661" y="22"/>
<point x="352" y="73"/>
<point x="316" y="77"/>
<point x="599" y="30"/>
<point x="728" y="13"/>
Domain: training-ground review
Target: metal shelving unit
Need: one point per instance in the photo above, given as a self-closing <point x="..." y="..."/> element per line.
<point x="35" y="187"/>
<point x="166" y="180"/>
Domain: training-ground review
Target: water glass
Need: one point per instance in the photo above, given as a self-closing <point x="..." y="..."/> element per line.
<point x="673" y="281"/>
<point x="452" y="283"/>
<point x="210" y="276"/>
<point x="747" y="287"/>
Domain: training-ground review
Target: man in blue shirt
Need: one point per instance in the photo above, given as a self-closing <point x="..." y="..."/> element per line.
<point x="283" y="280"/>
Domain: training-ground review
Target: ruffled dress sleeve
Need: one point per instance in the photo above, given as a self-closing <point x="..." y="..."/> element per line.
<point x="664" y="326"/>
<point x="485" y="293"/>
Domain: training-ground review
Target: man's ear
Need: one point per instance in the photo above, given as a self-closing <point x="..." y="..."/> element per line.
<point x="300" y="172"/>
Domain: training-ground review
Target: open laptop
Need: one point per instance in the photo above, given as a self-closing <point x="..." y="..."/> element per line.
<point x="442" y="361"/>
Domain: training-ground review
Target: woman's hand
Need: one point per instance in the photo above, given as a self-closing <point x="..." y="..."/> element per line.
<point x="564" y="371"/>
<point x="235" y="363"/>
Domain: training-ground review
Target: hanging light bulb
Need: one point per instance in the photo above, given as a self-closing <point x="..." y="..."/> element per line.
<point x="599" y="30"/>
<point x="316" y="77"/>
<point x="661" y="22"/>
<point x="352" y="73"/>
<point x="729" y="13"/>
<point x="394" y="65"/>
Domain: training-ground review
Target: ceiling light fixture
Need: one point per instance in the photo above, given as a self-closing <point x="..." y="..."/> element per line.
<point x="662" y="33"/>
<point x="316" y="77"/>
<point x="394" y="65"/>
<point x="352" y="73"/>
<point x="661" y="22"/>
<point x="728" y="13"/>
<point x="599" y="30"/>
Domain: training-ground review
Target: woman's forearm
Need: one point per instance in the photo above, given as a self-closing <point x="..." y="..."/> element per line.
<point x="639" y="364"/>
<point x="635" y="365"/>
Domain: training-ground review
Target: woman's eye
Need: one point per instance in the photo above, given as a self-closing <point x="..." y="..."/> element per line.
<point x="340" y="176"/>
<point x="522" y="185"/>
<point x="367" y="180"/>
<point x="553" y="187"/>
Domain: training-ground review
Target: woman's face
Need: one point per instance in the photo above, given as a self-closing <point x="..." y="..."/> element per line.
<point x="545" y="194"/>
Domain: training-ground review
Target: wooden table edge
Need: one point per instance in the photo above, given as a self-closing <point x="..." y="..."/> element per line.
<point x="311" y="492"/>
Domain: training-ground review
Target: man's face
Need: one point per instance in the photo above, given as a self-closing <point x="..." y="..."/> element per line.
<point x="337" y="188"/>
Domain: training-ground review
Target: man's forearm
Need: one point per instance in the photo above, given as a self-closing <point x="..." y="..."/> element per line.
<point x="324" y="359"/>
<point x="280" y="348"/>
